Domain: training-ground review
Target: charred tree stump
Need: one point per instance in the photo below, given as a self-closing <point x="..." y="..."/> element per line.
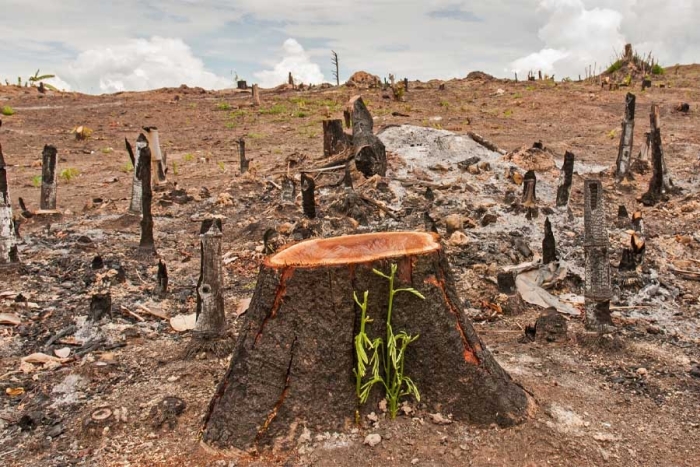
<point x="369" y="151"/>
<point x="245" y="163"/>
<point x="294" y="359"/>
<point x="348" y="118"/>
<point x="161" y="288"/>
<point x="136" y="187"/>
<point x="241" y="84"/>
<point x="565" y="180"/>
<point x="405" y="84"/>
<point x="256" y="95"/>
<point x="549" y="246"/>
<point x="335" y="141"/>
<point x="146" y="244"/>
<point x="597" y="291"/>
<point x="624" y="154"/>
<point x="641" y="163"/>
<point x="308" y="185"/>
<point x="289" y="189"/>
<point x="210" y="327"/>
<point x="48" y="179"/>
<point x="529" y="201"/>
<point x="100" y="305"/>
<point x="660" y="185"/>
<point x="159" y="161"/>
<point x="8" y="238"/>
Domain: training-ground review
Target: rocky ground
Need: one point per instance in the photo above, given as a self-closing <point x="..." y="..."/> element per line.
<point x="119" y="392"/>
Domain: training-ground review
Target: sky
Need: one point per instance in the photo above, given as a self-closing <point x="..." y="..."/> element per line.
<point x="109" y="46"/>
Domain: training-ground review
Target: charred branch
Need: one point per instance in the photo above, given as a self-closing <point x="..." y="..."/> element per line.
<point x="549" y="247"/>
<point x="308" y="186"/>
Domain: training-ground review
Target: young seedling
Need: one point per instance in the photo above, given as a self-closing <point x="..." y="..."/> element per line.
<point x="392" y="350"/>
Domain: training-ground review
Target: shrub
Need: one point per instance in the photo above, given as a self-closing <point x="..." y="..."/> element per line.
<point x="614" y="67"/>
<point x="657" y="70"/>
<point x="7" y="111"/>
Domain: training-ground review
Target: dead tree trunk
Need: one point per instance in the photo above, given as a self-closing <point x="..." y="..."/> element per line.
<point x="136" y="187"/>
<point x="335" y="140"/>
<point x="8" y="239"/>
<point x="211" y="319"/>
<point x="597" y="291"/>
<point x="369" y="151"/>
<point x="256" y="95"/>
<point x="48" y="179"/>
<point x="146" y="244"/>
<point x="308" y="202"/>
<point x="565" y="180"/>
<point x="293" y="368"/>
<point x="660" y="184"/>
<point x="245" y="163"/>
<point x="624" y="154"/>
<point x="159" y="162"/>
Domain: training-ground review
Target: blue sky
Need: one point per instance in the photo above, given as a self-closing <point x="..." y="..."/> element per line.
<point x="107" y="46"/>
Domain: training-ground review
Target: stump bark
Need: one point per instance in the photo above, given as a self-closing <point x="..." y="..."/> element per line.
<point x="159" y="159"/>
<point x="565" y="180"/>
<point x="48" y="178"/>
<point x="661" y="184"/>
<point x="624" y="154"/>
<point x="146" y="244"/>
<point x="294" y="359"/>
<point x="136" y="187"/>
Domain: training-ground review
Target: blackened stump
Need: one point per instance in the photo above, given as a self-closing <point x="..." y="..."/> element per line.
<point x="294" y="358"/>
<point x="48" y="178"/>
<point x="161" y="288"/>
<point x="597" y="291"/>
<point x="660" y="185"/>
<point x="549" y="247"/>
<point x="624" y="154"/>
<point x="211" y="319"/>
<point x="146" y="244"/>
<point x="308" y="185"/>
<point x="100" y="305"/>
<point x="369" y="151"/>
<point x="335" y="140"/>
<point x="245" y="163"/>
<point x="565" y="179"/>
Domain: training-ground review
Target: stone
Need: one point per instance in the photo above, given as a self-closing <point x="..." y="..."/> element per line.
<point x="372" y="439"/>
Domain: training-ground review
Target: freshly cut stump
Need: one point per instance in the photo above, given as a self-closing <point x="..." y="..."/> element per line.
<point x="293" y="363"/>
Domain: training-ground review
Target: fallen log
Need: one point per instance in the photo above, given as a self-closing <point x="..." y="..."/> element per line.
<point x="369" y="151"/>
<point x="294" y="360"/>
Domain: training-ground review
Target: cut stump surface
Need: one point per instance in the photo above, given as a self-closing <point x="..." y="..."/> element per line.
<point x="293" y="363"/>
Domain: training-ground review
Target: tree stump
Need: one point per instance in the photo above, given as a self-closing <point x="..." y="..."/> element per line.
<point x="147" y="245"/>
<point x="159" y="160"/>
<point x="136" y="187"/>
<point x="294" y="359"/>
<point x="565" y="180"/>
<point x="624" y="154"/>
<point x="48" y="179"/>
<point x="369" y="151"/>
<point x="335" y="140"/>
<point x="8" y="239"/>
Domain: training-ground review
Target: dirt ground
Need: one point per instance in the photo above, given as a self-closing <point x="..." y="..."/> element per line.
<point x="627" y="399"/>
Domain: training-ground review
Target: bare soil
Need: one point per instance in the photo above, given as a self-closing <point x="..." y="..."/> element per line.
<point x="626" y="399"/>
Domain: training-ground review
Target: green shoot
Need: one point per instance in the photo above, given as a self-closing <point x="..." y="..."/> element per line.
<point x="223" y="106"/>
<point x="392" y="350"/>
<point x="189" y="157"/>
<point x="221" y="165"/>
<point x="127" y="168"/>
<point x="69" y="174"/>
<point x="7" y="111"/>
<point x="36" y="181"/>
<point x="175" y="169"/>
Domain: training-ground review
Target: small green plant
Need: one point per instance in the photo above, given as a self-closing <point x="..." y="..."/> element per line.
<point x="628" y="80"/>
<point x="238" y="113"/>
<point x="387" y="360"/>
<point x="107" y="150"/>
<point x="517" y="95"/>
<point x="221" y="166"/>
<point x="127" y="168"/>
<point x="301" y="114"/>
<point x="176" y="170"/>
<point x="274" y="110"/>
<point x="69" y="174"/>
<point x="529" y="88"/>
<point x="612" y="134"/>
<point x="657" y="70"/>
<point x="189" y="157"/>
<point x="255" y="135"/>
<point x="230" y="125"/>
<point x="508" y="113"/>
<point x="614" y="67"/>
<point x="7" y="111"/>
<point x="36" y="181"/>
<point x="223" y="106"/>
<point x="445" y="105"/>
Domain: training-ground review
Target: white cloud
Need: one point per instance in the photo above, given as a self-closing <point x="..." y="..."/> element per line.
<point x="575" y="38"/>
<point x="295" y="60"/>
<point x="140" y="64"/>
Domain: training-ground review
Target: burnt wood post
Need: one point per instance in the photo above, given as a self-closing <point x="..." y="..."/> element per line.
<point x="624" y="154"/>
<point x="245" y="163"/>
<point x="159" y="162"/>
<point x="549" y="246"/>
<point x="308" y="185"/>
<point x="256" y="95"/>
<point x="369" y="151"/>
<point x="146" y="244"/>
<point x="211" y="319"/>
<point x="597" y="291"/>
<point x="136" y="187"/>
<point x="405" y="84"/>
<point x="292" y="367"/>
<point x="660" y="184"/>
<point x="565" y="180"/>
<point x="100" y="305"/>
<point x="241" y="84"/>
<point x="48" y="178"/>
<point x="348" y="118"/>
<point x="529" y="194"/>
<point x="335" y="140"/>
<point x="161" y="288"/>
<point x="8" y="238"/>
<point x="290" y="79"/>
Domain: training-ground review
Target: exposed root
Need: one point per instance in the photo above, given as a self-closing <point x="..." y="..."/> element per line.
<point x="217" y="346"/>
